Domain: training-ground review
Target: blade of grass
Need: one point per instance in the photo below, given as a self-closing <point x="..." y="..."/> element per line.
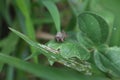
<point x="54" y="12"/>
<point x="4" y="11"/>
<point x="10" y="73"/>
<point x="45" y="72"/>
<point x="42" y="48"/>
<point x="23" y="5"/>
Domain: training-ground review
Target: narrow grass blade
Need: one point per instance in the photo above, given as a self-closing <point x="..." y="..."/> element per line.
<point x="54" y="13"/>
<point x="24" y="6"/>
<point x="45" y="72"/>
<point x="42" y="48"/>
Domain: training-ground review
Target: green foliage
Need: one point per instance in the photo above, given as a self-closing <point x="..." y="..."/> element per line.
<point x="112" y="6"/>
<point x="42" y="48"/>
<point x="108" y="62"/>
<point x="94" y="27"/>
<point x="68" y="49"/>
<point x="90" y="50"/>
<point x="12" y="40"/>
<point x="40" y="71"/>
<point x="54" y="13"/>
<point x="63" y="56"/>
<point x="24" y="6"/>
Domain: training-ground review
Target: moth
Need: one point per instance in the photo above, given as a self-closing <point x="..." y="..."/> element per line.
<point x="60" y="36"/>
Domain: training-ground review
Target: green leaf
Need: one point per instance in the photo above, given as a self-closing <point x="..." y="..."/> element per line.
<point x="42" y="48"/>
<point x="54" y="13"/>
<point x="84" y="41"/>
<point x="69" y="49"/>
<point x="105" y="31"/>
<point x="23" y="6"/>
<point x="113" y="7"/>
<point x="98" y="62"/>
<point x="109" y="62"/>
<point x="97" y="7"/>
<point x="74" y="55"/>
<point x="37" y="70"/>
<point x="113" y="54"/>
<point x="41" y="71"/>
<point x="94" y="27"/>
<point x="90" y="27"/>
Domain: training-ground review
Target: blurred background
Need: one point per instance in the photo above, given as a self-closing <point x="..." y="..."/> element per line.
<point x="32" y="18"/>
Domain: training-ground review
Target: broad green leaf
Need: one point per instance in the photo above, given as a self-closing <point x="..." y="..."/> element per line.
<point x="96" y="6"/>
<point x="113" y="54"/>
<point x="105" y="31"/>
<point x="90" y="27"/>
<point x="94" y="27"/>
<point x="102" y="48"/>
<point x="54" y="13"/>
<point x="70" y="49"/>
<point x="113" y="70"/>
<point x="109" y="62"/>
<point x="41" y="71"/>
<point x="98" y="61"/>
<point x="74" y="55"/>
<point x="84" y="41"/>
<point x="113" y="7"/>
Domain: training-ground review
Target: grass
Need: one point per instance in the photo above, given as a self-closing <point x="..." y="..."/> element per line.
<point x="90" y="50"/>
